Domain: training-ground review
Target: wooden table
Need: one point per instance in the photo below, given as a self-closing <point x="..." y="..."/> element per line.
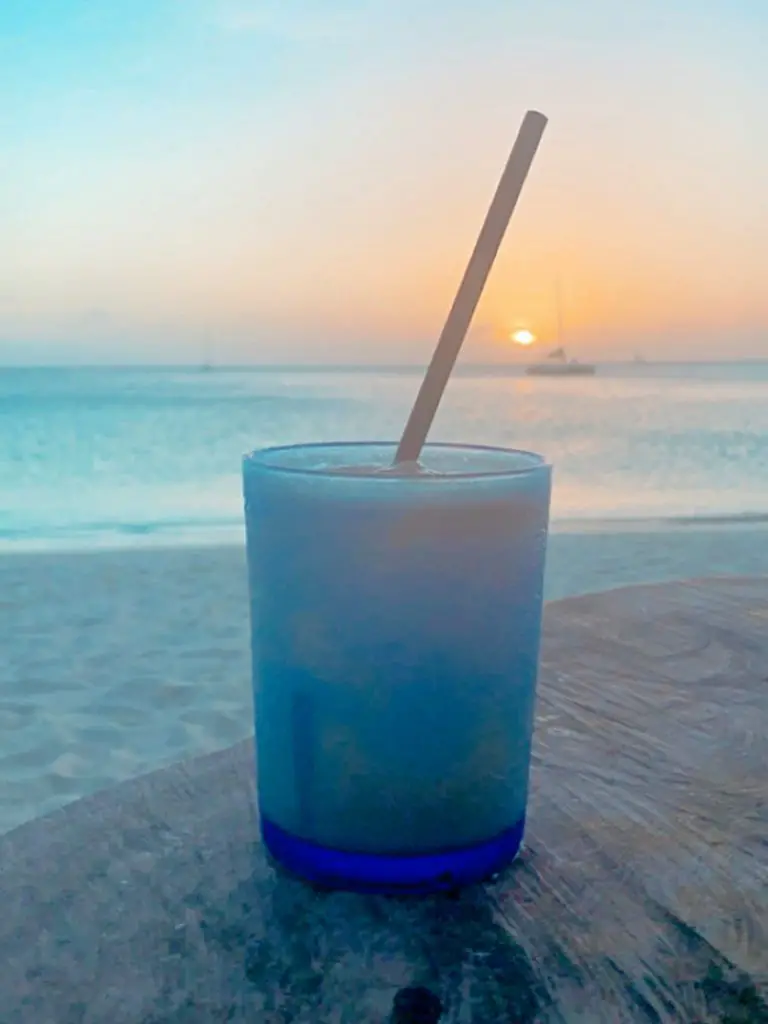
<point x="642" y="894"/>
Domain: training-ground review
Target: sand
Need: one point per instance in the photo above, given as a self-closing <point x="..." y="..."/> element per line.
<point x="116" y="663"/>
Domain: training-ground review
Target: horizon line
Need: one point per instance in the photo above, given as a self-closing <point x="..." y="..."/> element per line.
<point x="331" y="366"/>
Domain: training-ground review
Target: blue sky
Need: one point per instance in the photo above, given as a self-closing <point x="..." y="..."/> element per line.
<point x="304" y="179"/>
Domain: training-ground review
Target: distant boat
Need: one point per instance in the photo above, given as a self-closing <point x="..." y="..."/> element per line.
<point x="557" y="363"/>
<point x="206" y="366"/>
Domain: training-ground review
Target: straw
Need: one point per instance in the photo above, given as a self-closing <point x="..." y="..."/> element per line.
<point x="471" y="287"/>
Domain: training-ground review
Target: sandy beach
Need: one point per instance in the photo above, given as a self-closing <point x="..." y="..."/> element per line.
<point x="114" y="663"/>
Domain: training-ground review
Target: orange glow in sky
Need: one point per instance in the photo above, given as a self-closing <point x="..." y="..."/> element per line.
<point x="321" y="207"/>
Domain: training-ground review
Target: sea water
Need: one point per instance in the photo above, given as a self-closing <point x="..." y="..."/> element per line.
<point x="396" y="618"/>
<point x="106" y="457"/>
<point x="647" y="456"/>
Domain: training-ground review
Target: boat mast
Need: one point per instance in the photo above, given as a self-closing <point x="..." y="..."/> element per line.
<point x="207" y="363"/>
<point x="559" y="307"/>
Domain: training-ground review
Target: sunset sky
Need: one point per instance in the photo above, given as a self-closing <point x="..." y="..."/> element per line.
<point x="303" y="180"/>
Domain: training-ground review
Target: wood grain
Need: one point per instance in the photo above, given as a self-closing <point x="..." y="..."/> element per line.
<point x="641" y="895"/>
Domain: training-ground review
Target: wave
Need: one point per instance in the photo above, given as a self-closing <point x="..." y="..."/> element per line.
<point x="105" y="534"/>
<point x="184" y="531"/>
<point x="653" y="524"/>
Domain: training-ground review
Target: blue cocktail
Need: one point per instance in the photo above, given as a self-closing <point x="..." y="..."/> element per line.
<point x="396" y="617"/>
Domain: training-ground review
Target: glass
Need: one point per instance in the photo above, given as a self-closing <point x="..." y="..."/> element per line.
<point x="396" y="619"/>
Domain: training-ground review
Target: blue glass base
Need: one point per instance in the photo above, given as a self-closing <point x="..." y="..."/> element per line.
<point x="394" y="873"/>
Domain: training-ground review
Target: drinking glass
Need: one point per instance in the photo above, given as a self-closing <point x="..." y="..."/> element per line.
<point x="396" y="617"/>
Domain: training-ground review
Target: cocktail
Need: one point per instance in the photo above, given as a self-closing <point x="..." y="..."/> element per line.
<point x="396" y="595"/>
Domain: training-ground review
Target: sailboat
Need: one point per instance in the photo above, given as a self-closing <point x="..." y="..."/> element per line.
<point x="206" y="366"/>
<point x="557" y="363"/>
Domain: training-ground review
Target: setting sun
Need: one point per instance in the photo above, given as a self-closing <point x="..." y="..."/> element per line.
<point x="523" y="337"/>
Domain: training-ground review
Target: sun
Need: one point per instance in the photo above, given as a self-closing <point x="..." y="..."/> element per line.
<point x="523" y="337"/>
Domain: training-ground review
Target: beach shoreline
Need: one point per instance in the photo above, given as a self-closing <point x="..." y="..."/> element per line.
<point x="133" y="537"/>
<point x="117" y="662"/>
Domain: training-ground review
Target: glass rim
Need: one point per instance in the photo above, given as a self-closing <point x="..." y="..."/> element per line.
<point x="259" y="457"/>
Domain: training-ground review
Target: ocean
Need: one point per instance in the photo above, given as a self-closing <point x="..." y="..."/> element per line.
<point x="94" y="457"/>
<point x="124" y="631"/>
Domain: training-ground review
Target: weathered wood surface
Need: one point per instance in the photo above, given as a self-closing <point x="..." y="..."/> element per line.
<point x="642" y="894"/>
